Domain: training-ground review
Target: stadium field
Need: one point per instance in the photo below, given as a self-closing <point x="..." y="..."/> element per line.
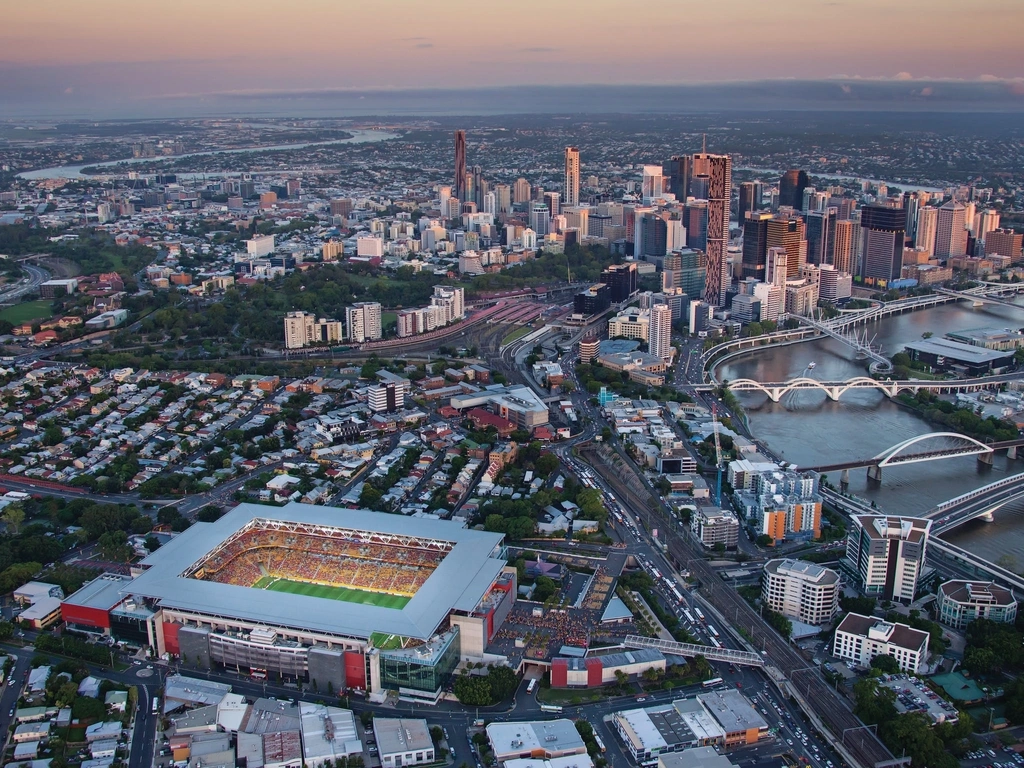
<point x="346" y="594"/>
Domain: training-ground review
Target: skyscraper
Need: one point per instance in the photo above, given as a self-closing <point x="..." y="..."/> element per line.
<point x="659" y="334"/>
<point x="821" y="227"/>
<point x="718" y="170"/>
<point x="842" y="252"/>
<point x="748" y="202"/>
<point x="460" y="165"/>
<point x="679" y="176"/>
<point x="553" y="201"/>
<point x="621" y="280"/>
<point x="1005" y="242"/>
<point x="790" y="234"/>
<point x="521" y="191"/>
<point x="776" y="267"/>
<point x="755" y="245"/>
<point x="362" y="320"/>
<point x="654" y="237"/>
<point x="571" y="190"/>
<point x="888" y="553"/>
<point x="950" y="231"/>
<point x="653" y="183"/>
<point x="924" y="231"/>
<point x="882" y="235"/>
<point x="791" y="188"/>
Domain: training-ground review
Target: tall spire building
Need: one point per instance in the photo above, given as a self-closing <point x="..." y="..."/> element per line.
<point x="571" y="190"/>
<point x="460" y="165"/>
<point x="716" y="171"/>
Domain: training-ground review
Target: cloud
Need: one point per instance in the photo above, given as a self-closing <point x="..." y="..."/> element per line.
<point x="538" y="49"/>
<point x="845" y="88"/>
<point x="903" y="76"/>
<point x="927" y="91"/>
<point x="69" y="90"/>
<point x="413" y="39"/>
<point x="424" y="45"/>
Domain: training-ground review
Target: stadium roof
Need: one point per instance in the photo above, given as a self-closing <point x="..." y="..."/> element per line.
<point x="459" y="581"/>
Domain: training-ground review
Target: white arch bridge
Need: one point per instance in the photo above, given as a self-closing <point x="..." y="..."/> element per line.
<point x="775" y="391"/>
<point x="939" y="445"/>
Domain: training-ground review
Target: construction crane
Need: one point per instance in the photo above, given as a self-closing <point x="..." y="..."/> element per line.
<point x="718" y="456"/>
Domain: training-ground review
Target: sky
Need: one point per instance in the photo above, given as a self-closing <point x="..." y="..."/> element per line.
<point x="145" y="52"/>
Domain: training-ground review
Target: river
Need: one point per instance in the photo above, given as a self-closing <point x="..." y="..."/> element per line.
<point x="807" y="428"/>
<point x="75" y="171"/>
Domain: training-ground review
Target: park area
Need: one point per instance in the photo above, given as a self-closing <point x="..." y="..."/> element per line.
<point x="27" y="311"/>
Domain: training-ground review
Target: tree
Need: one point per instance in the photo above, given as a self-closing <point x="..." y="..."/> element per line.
<point x="472" y="690"/>
<point x="886" y="664"/>
<point x="546" y="464"/>
<point x="545" y="588"/>
<point x="764" y="540"/>
<point x="114" y="546"/>
<point x="14" y="516"/>
<point x="503" y="682"/>
<point x="874" y="703"/>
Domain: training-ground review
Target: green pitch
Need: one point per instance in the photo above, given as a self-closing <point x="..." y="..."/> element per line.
<point x="347" y="594"/>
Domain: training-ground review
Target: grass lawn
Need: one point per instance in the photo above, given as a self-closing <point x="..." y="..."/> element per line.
<point x="387" y="318"/>
<point x="386" y="642"/>
<point x="518" y="333"/>
<point x="563" y="697"/>
<point x="331" y="593"/>
<point x="26" y="311"/>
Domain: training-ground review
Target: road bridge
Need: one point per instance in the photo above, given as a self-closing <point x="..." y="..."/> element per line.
<point x="879" y="362"/>
<point x="689" y="650"/>
<point x="980" y="503"/>
<point x="775" y="391"/>
<point x="951" y="445"/>
<point x="979" y="298"/>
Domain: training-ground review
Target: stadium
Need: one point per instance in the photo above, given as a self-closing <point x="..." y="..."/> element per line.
<point x="336" y="597"/>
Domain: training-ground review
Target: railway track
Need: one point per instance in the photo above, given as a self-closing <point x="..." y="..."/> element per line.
<point x="833" y="711"/>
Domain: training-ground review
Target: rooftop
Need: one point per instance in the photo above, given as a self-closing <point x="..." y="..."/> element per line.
<point x="981" y="592"/>
<point x="399" y="735"/>
<point x="894" y="633"/>
<point x="802" y="570"/>
<point x="732" y="710"/>
<point x="535" y="737"/>
<point x="967" y="353"/>
<point x="104" y="592"/>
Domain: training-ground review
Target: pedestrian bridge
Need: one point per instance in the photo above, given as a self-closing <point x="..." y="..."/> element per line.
<point x="689" y="650"/>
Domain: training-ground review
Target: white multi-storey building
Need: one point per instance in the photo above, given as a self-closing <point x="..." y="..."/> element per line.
<point x="961" y="602"/>
<point x="659" y="336"/>
<point x="363" y="320"/>
<point x="801" y="590"/>
<point x="860" y="638"/>
<point x="887" y="553"/>
<point x="302" y="329"/>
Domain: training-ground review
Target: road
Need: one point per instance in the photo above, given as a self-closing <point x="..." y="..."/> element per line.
<point x="36" y="277"/>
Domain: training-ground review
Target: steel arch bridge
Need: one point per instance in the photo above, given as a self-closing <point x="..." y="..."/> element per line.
<point x="959" y="445"/>
<point x="834" y="390"/>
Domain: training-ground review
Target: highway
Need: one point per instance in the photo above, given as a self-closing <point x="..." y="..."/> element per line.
<point x="36" y="276"/>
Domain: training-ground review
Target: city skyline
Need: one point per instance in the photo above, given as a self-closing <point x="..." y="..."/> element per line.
<point x="67" y="55"/>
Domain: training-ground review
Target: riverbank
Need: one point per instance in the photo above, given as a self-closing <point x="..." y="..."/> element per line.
<point x="963" y="420"/>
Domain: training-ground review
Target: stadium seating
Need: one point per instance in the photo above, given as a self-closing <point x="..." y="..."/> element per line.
<point x="338" y="561"/>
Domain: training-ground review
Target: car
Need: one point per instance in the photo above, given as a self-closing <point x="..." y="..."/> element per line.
<point x="445" y="732"/>
<point x="11" y="713"/>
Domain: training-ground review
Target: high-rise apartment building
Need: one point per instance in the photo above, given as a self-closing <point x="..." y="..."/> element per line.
<point x="842" y="251"/>
<point x="988" y="220"/>
<point x="950" y="231"/>
<point x="341" y="206"/>
<point x="460" y="165"/>
<point x="776" y="270"/>
<point x="887" y="553"/>
<point x="540" y="218"/>
<point x="653" y="239"/>
<point x="718" y="171"/>
<point x="362" y="320"/>
<point x="502" y="199"/>
<point x="571" y="187"/>
<point x="303" y="328"/>
<point x="659" y="335"/>
<point x="799" y="590"/>
<point x="791" y="188"/>
<point x="882" y="238"/>
<point x="925" y="228"/>
<point x="789" y="233"/>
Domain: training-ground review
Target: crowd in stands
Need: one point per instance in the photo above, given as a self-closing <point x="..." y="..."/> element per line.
<point x="336" y="561"/>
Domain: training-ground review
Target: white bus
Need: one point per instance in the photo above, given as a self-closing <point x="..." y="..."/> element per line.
<point x="532" y="684"/>
<point x="712" y="682"/>
<point x="551" y="708"/>
<point x="713" y="631"/>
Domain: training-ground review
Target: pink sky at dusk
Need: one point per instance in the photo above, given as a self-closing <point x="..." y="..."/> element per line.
<point x="204" y="46"/>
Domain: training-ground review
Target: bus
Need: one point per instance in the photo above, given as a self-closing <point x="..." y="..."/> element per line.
<point x="712" y="682"/>
<point x="699" y="612"/>
<point x="258" y="674"/>
<point x="156" y="705"/>
<point x="551" y="708"/>
<point x="715" y="643"/>
<point x="713" y="631"/>
<point x="600" y="744"/>
<point x="532" y="684"/>
<point x="689" y="616"/>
